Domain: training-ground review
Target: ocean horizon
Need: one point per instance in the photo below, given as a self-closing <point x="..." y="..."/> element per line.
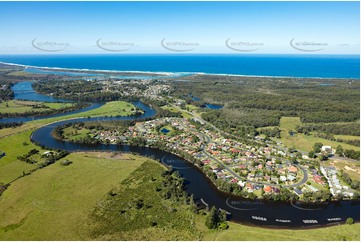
<point x="264" y="65"/>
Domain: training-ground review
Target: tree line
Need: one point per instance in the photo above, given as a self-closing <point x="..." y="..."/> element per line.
<point x="352" y="128"/>
<point x="260" y="102"/>
<point x="6" y="93"/>
<point x="10" y="125"/>
<point x="50" y="111"/>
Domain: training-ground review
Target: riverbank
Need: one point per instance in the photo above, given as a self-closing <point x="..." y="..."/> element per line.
<point x="19" y="108"/>
<point x="67" y="195"/>
<point x="184" y="169"/>
<point x="202" y="188"/>
<point x="239" y="232"/>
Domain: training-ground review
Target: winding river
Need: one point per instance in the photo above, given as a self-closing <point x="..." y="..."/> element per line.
<point x="24" y="91"/>
<point x="257" y="212"/>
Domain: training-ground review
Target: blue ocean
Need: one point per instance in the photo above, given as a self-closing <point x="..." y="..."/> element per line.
<point x="323" y="66"/>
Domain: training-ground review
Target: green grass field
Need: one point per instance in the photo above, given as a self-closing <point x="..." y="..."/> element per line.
<point x="347" y="137"/>
<point x="351" y="168"/>
<point x="54" y="202"/>
<point x="73" y="203"/>
<point x="176" y="110"/>
<point x="301" y="141"/>
<point x="114" y="108"/>
<point x="191" y="107"/>
<point x="241" y="232"/>
<point x="109" y="109"/>
<point x="57" y="202"/>
<point x="19" y="107"/>
<point x="73" y="134"/>
<point x="267" y="127"/>
<point x="10" y="166"/>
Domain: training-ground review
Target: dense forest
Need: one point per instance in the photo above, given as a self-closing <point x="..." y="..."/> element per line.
<point x="81" y="90"/>
<point x="352" y="128"/>
<point x="259" y="102"/>
<point x="76" y="90"/>
<point x="324" y="106"/>
<point x="5" y="91"/>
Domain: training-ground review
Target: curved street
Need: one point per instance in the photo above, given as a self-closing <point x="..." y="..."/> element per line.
<point x="304" y="179"/>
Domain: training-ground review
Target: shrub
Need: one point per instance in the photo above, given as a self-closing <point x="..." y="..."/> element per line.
<point x="223" y="226"/>
<point x="349" y="221"/>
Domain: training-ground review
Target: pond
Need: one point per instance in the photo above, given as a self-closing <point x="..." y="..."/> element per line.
<point x="213" y="106"/>
<point x="165" y="131"/>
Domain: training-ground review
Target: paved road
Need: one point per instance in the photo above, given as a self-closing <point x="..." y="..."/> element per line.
<point x="207" y="140"/>
<point x="304" y="179"/>
<point x="342" y="159"/>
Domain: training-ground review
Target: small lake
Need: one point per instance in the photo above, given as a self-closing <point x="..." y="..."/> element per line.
<point x="213" y="106"/>
<point x="196" y="99"/>
<point x="165" y="131"/>
<point x="207" y="105"/>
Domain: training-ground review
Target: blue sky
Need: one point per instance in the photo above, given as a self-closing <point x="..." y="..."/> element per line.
<point x="194" y="27"/>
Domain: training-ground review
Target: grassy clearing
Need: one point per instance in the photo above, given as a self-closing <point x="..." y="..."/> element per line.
<point x="301" y="141"/>
<point x="347" y="137"/>
<point x="54" y="202"/>
<point x="314" y="184"/>
<point x="176" y="110"/>
<point x="351" y="168"/>
<point x="109" y="109"/>
<point x="290" y="123"/>
<point x="14" y="146"/>
<point x="241" y="232"/>
<point x="74" y="203"/>
<point x="191" y="107"/>
<point x="11" y="167"/>
<point x="74" y="134"/>
<point x="114" y="108"/>
<point x="19" y="107"/>
<point x="267" y="127"/>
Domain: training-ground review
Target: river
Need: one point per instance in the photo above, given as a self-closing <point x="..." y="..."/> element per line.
<point x="257" y="212"/>
<point x="24" y="91"/>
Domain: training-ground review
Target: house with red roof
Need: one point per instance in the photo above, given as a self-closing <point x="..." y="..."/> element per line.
<point x="267" y="189"/>
<point x="249" y="187"/>
<point x="206" y="161"/>
<point x="292" y="169"/>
